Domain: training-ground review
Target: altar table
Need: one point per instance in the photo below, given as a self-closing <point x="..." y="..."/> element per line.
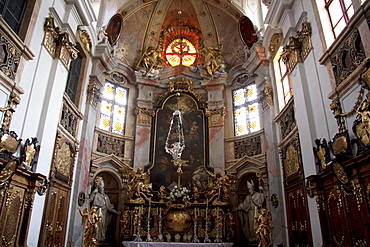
<point x="173" y="244"/>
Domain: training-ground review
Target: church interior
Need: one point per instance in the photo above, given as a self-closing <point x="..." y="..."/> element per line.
<point x="185" y="122"/>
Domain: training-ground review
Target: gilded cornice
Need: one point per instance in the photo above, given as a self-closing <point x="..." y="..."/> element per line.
<point x="216" y="117"/>
<point x="144" y="115"/>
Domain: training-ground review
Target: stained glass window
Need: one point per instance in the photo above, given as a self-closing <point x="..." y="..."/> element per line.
<point x="246" y="114"/>
<point x="113" y="108"/>
<point x="181" y="52"/>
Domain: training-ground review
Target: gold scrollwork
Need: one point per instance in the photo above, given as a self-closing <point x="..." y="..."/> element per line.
<point x="94" y="94"/>
<point x="85" y="39"/>
<point x="357" y="191"/>
<point x="298" y="48"/>
<point x="291" y="159"/>
<point x="340" y="243"/>
<point x="179" y="86"/>
<point x="8" y="243"/>
<point x="58" y="44"/>
<point x="144" y="115"/>
<point x="340" y="173"/>
<point x="64" y="160"/>
<point x="275" y="42"/>
<point x="216" y="117"/>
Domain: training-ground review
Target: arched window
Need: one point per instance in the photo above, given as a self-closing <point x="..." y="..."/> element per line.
<point x="113" y="108"/>
<point x="181" y="52"/>
<point x="246" y="113"/>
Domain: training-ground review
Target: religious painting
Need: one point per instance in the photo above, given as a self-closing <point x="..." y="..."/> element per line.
<point x="179" y="111"/>
<point x="114" y="29"/>
<point x="247" y="31"/>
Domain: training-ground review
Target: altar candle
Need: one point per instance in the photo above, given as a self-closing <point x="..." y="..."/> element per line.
<point x="207" y="210"/>
<point x="150" y="205"/>
<point x="160" y="212"/>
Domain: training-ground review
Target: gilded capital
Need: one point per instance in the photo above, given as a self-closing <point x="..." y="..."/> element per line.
<point x="216" y="117"/>
<point x="144" y="115"/>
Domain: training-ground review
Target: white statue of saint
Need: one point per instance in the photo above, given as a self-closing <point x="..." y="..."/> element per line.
<point x="101" y="200"/>
<point x="246" y="210"/>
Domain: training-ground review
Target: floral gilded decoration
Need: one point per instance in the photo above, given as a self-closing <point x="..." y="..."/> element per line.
<point x="85" y="39"/>
<point x="291" y="157"/>
<point x="246" y="113"/>
<point x="216" y="117"/>
<point x="110" y="145"/>
<point x="247" y="147"/>
<point x="113" y="108"/>
<point x="144" y="115"/>
<point x="64" y="160"/>
<point x="348" y="57"/>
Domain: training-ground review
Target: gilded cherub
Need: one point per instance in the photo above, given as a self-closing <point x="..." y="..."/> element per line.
<point x="91" y="220"/>
<point x="264" y="223"/>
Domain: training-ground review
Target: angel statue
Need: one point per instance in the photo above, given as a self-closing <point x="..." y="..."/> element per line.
<point x="92" y="220"/>
<point x="264" y="227"/>
<point x="219" y="189"/>
<point x="139" y="186"/>
<point x="150" y="60"/>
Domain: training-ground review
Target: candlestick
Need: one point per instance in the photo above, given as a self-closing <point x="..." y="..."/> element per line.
<point x="148" y="237"/>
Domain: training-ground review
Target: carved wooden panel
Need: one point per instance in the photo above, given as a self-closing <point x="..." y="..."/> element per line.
<point x="16" y="201"/>
<point x="56" y="222"/>
<point x="297" y="215"/>
<point x="343" y="197"/>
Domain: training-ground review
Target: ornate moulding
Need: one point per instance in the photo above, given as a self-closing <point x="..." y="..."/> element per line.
<point x="216" y="117"/>
<point x="94" y="91"/>
<point x="64" y="158"/>
<point x="298" y="48"/>
<point x="13" y="53"/>
<point x="57" y="43"/>
<point x="85" y="39"/>
<point x="290" y="155"/>
<point x="275" y="41"/>
<point x="265" y="96"/>
<point x="144" y="115"/>
<point x="71" y="116"/>
<point x="185" y="86"/>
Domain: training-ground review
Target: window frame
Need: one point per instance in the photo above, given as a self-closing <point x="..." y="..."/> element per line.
<point x="344" y="16"/>
<point x="74" y="74"/>
<point x="283" y="81"/>
<point x="246" y="104"/>
<point x="6" y="12"/>
<point x="114" y="103"/>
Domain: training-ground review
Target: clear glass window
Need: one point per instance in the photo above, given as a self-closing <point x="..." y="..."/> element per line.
<point x="283" y="83"/>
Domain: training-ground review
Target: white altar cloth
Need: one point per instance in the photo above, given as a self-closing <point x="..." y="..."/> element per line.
<point x="173" y="244"/>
